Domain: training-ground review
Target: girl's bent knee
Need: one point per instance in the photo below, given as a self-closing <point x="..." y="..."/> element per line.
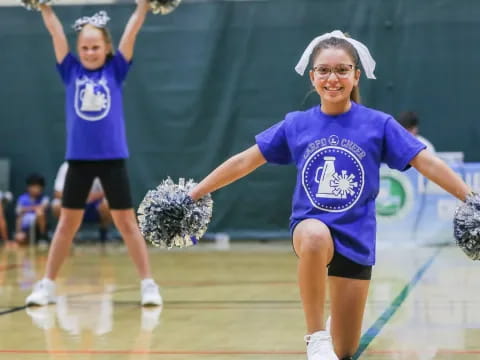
<point x="315" y="243"/>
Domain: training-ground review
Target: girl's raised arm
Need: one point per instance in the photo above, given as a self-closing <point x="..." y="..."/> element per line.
<point x="127" y="43"/>
<point x="55" y="28"/>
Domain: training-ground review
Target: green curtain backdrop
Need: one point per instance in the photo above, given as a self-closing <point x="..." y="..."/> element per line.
<point x="211" y="75"/>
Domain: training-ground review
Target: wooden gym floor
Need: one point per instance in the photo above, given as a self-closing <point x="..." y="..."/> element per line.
<point x="243" y="303"/>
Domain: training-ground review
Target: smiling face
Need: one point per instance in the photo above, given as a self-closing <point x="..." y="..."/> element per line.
<point x="93" y="47"/>
<point x="334" y="75"/>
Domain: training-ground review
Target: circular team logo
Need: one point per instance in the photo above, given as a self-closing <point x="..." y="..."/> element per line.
<point x="333" y="178"/>
<point x="395" y="195"/>
<point x="92" y="99"/>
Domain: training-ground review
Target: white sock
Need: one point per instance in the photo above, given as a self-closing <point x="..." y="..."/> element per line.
<point x="47" y="280"/>
<point x="147" y="281"/>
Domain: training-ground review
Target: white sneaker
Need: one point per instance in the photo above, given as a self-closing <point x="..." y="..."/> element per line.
<point x="43" y="317"/>
<point x="43" y="293"/>
<point x="150" y="293"/>
<point x="319" y="346"/>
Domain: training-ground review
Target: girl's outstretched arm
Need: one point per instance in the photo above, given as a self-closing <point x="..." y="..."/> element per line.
<point x="55" y="28"/>
<point x="233" y="169"/>
<point x="127" y="43"/>
<point x="437" y="171"/>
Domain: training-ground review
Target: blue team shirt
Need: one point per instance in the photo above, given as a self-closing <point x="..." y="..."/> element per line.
<point x="94" y="109"/>
<point x="25" y="200"/>
<point x="338" y="163"/>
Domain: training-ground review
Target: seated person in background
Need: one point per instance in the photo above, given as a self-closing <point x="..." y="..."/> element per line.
<point x="96" y="208"/>
<point x="31" y="210"/>
<point x="410" y="121"/>
<point x="3" y="222"/>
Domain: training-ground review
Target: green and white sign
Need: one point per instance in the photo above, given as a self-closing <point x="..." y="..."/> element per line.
<point x="395" y="196"/>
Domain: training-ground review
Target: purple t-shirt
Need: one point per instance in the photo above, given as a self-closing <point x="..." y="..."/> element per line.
<point x="94" y="109"/>
<point x="25" y="200"/>
<point x="338" y="161"/>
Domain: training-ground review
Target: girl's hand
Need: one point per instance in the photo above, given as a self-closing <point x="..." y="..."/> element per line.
<point x="163" y="7"/>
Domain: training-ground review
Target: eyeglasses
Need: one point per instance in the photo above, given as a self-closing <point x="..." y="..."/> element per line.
<point x="341" y="71"/>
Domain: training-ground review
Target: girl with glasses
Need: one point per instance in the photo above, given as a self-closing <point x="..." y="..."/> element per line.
<point x="337" y="148"/>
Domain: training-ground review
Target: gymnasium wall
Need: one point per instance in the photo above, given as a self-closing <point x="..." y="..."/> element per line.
<point x="211" y="75"/>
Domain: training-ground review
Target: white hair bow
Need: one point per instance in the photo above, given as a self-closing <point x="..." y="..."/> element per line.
<point x="366" y="59"/>
<point x="99" y="20"/>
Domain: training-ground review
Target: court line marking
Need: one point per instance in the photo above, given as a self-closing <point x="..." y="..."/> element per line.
<point x="216" y="302"/>
<point x="12" y="310"/>
<point x="9" y="267"/>
<point x="217" y="352"/>
<point x="364" y="339"/>
<point x="23" y="307"/>
<point x="177" y="284"/>
<point x="377" y="326"/>
<point x="209" y="305"/>
<point x="438" y="352"/>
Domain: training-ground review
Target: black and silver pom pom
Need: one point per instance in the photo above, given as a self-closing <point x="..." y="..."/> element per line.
<point x="163" y="7"/>
<point x="168" y="217"/>
<point x="466" y="225"/>
<point x="35" y="4"/>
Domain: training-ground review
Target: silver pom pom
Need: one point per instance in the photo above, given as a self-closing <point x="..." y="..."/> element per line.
<point x="163" y="7"/>
<point x="6" y="196"/>
<point x="168" y="217"/>
<point x="35" y="4"/>
<point x="467" y="226"/>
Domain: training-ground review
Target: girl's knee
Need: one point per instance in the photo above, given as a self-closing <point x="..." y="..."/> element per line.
<point x="127" y="227"/>
<point x="66" y="226"/>
<point x="313" y="237"/>
<point x="125" y="221"/>
<point x="315" y="243"/>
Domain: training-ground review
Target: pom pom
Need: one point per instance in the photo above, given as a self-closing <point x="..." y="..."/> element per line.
<point x="6" y="196"/>
<point x="35" y="4"/>
<point x="168" y="217"/>
<point x="163" y="7"/>
<point x="467" y="226"/>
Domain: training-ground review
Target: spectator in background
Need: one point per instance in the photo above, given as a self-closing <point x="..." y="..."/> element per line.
<point x="3" y="222"/>
<point x="31" y="210"/>
<point x="96" y="207"/>
<point x="410" y="121"/>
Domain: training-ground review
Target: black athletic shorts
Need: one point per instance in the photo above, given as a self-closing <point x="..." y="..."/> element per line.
<point x="113" y="176"/>
<point x="343" y="267"/>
